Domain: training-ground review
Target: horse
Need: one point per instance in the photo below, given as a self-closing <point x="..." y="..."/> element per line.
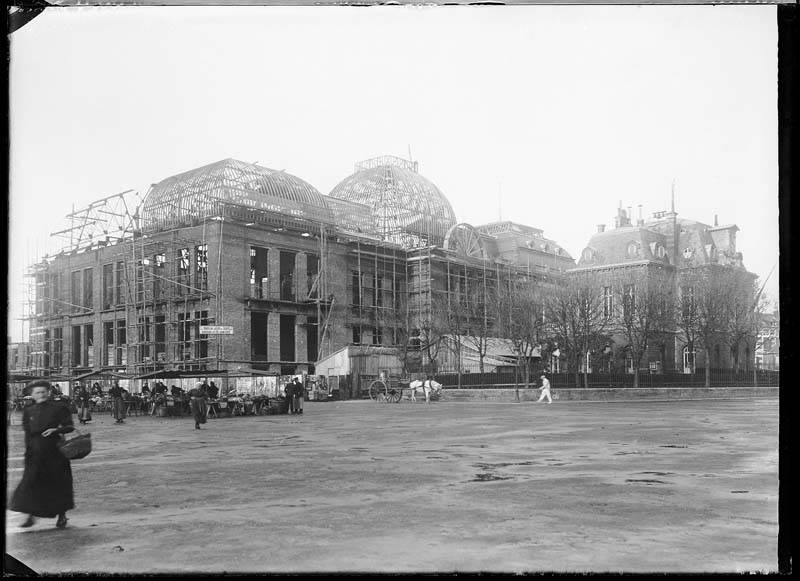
<point x="426" y="387"/>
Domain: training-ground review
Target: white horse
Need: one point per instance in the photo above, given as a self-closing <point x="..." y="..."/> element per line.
<point x="427" y="387"/>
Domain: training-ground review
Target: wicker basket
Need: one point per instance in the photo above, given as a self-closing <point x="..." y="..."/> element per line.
<point x="77" y="447"/>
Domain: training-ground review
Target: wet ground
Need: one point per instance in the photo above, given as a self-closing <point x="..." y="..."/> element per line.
<point x="358" y="486"/>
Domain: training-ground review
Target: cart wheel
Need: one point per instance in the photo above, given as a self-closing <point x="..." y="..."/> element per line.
<point x="394" y="396"/>
<point x="378" y="390"/>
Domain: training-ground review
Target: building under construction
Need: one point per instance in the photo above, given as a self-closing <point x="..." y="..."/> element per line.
<point x="233" y="265"/>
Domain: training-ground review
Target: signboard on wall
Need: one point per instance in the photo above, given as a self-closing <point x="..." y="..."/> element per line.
<point x="216" y="330"/>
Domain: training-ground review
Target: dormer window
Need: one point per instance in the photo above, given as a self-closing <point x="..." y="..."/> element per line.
<point x="687" y="253"/>
<point x="661" y="252"/>
<point x="633" y="250"/>
<point x="588" y="254"/>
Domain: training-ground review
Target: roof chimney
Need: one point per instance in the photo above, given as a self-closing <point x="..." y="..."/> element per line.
<point x="601" y="228"/>
<point x="716" y="222"/>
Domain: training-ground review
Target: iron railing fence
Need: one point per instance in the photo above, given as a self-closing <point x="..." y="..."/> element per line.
<point x="718" y="378"/>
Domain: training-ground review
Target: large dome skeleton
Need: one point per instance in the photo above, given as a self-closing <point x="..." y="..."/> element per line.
<point x="408" y="209"/>
<point x="230" y="185"/>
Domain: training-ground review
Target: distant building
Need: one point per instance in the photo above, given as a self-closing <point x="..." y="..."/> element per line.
<point x="671" y="252"/>
<point x="769" y="342"/>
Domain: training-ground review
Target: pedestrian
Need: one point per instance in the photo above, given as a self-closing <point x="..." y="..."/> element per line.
<point x="197" y="401"/>
<point x="213" y="390"/>
<point x="299" y="393"/>
<point x="117" y="403"/>
<point x="84" y="397"/>
<point x="545" y="389"/>
<point x="97" y="390"/>
<point x="45" y="490"/>
<point x="288" y="393"/>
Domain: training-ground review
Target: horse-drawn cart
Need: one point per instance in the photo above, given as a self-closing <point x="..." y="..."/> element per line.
<point x="391" y="389"/>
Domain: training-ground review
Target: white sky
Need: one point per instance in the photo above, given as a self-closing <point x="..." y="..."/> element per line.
<point x="546" y="115"/>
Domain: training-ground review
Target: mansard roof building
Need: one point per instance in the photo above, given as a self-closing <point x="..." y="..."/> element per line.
<point x="672" y="252"/>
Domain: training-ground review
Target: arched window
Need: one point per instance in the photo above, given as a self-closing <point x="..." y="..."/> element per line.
<point x="633" y="250"/>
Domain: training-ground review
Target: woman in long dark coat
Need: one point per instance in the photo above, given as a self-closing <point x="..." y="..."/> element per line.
<point x="46" y="486"/>
<point x="84" y="404"/>
<point x="117" y="403"/>
<point x="197" y="399"/>
<point x="288" y="393"/>
<point x="298" y="393"/>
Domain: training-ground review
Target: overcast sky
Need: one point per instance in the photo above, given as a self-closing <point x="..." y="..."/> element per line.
<point x="546" y="115"/>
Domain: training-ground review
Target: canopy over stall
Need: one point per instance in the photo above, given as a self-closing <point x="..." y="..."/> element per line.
<point x="177" y="374"/>
<point x="251" y="371"/>
<point x="100" y="374"/>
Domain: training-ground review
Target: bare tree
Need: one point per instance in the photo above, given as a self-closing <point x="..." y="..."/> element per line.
<point x="743" y="319"/>
<point x="432" y="330"/>
<point x="520" y="320"/>
<point x="704" y="309"/>
<point x="453" y="314"/>
<point x="481" y="312"/>
<point x="644" y="313"/>
<point x="574" y="315"/>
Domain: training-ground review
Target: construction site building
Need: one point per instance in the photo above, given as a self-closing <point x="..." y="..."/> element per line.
<point x="234" y="265"/>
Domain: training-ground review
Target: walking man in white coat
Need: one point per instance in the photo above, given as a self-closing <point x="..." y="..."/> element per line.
<point x="545" y="389"/>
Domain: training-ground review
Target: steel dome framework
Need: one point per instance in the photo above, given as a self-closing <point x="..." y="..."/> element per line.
<point x="407" y="208"/>
<point x="231" y="188"/>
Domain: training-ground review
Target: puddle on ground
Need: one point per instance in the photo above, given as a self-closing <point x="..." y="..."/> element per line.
<point x="488" y="478"/>
<point x="646" y="481"/>
<point x="484" y="466"/>
<point x="739" y="491"/>
<point x="673" y="446"/>
<point x="657" y="473"/>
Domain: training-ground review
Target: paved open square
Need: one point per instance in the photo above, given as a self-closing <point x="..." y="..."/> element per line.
<point x="360" y="486"/>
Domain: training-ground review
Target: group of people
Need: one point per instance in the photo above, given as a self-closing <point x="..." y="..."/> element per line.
<point x="84" y="395"/>
<point x="175" y="391"/>
<point x="295" y="393"/>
